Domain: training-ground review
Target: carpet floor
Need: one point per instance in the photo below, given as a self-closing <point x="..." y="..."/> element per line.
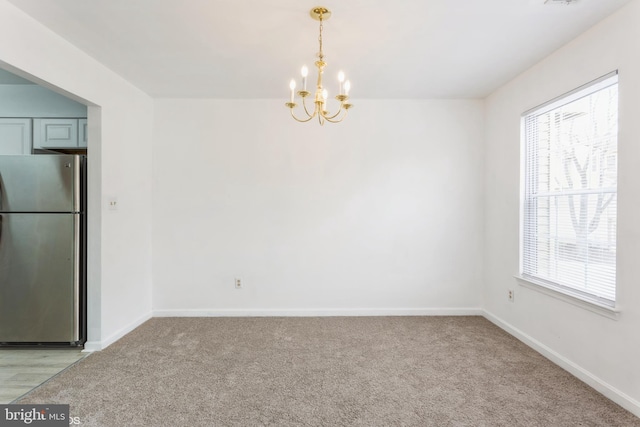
<point x="329" y="371"/>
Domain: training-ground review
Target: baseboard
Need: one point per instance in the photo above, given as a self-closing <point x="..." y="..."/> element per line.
<point x="91" y="346"/>
<point x="587" y="377"/>
<point x="334" y="312"/>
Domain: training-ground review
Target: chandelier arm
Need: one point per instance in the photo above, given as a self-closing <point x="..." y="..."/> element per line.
<point x="340" y="110"/>
<point x="304" y="104"/>
<point x="300" y="120"/>
<point x="330" y="119"/>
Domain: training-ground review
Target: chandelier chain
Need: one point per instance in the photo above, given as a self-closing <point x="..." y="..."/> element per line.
<point x="320" y="54"/>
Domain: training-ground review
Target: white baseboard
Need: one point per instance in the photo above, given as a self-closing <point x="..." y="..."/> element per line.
<point x="334" y="312"/>
<point x="587" y="377"/>
<point x="91" y="346"/>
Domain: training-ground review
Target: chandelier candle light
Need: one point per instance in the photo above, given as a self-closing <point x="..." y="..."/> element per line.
<point x="320" y="110"/>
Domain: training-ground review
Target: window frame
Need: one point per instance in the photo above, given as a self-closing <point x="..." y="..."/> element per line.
<point x="609" y="308"/>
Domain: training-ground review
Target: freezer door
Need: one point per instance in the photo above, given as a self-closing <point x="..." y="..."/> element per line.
<point x="39" y="278"/>
<point x="42" y="183"/>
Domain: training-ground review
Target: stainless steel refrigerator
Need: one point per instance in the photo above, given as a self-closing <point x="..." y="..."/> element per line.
<point x="42" y="249"/>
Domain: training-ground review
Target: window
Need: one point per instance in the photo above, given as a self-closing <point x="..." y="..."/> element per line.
<point x="569" y="192"/>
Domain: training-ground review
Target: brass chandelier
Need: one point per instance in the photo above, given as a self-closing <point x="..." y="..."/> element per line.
<point x="320" y="102"/>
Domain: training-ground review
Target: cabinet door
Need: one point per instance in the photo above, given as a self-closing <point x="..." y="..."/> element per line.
<point x="55" y="133"/>
<point x="15" y="136"/>
<point x="82" y="133"/>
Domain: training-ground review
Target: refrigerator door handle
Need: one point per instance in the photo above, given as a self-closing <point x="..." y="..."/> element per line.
<point x="77" y="248"/>
<point x="1" y="193"/>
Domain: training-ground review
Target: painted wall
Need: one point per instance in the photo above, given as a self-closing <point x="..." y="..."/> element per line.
<point x="380" y="214"/>
<point x="119" y="134"/>
<point x="36" y="101"/>
<point x="601" y="351"/>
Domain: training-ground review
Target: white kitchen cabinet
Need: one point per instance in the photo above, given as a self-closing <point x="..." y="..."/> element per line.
<point x="55" y="133"/>
<point x="82" y="133"/>
<point x="15" y="136"/>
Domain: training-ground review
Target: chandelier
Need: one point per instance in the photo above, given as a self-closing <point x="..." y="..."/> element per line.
<point x="320" y="99"/>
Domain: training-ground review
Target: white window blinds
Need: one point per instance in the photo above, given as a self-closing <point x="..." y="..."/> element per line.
<point x="570" y="190"/>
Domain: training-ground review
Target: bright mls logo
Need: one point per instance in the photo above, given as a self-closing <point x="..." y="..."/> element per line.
<point x="34" y="415"/>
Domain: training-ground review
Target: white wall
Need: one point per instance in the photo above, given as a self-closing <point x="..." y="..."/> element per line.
<point x="379" y="214"/>
<point x="601" y="351"/>
<point x="120" y="121"/>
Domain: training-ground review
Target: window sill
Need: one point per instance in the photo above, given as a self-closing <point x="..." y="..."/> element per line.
<point x="539" y="286"/>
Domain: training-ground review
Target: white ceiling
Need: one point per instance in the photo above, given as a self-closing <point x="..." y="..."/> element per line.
<point x="252" y="48"/>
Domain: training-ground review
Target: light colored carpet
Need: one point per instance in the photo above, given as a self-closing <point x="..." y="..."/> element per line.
<point x="362" y="371"/>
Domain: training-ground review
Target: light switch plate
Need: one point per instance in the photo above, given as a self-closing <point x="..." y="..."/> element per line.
<point x="112" y="203"/>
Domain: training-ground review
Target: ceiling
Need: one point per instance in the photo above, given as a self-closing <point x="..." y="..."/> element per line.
<point x="252" y="48"/>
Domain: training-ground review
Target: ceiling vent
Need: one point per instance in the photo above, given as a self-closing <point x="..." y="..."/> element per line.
<point x="562" y="2"/>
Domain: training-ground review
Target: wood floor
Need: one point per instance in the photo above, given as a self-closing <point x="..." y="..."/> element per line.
<point x="21" y="370"/>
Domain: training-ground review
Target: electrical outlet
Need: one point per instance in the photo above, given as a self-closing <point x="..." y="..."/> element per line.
<point x="238" y="284"/>
<point x="511" y="295"/>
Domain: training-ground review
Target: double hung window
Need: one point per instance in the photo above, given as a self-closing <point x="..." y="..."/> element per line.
<point x="569" y="192"/>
